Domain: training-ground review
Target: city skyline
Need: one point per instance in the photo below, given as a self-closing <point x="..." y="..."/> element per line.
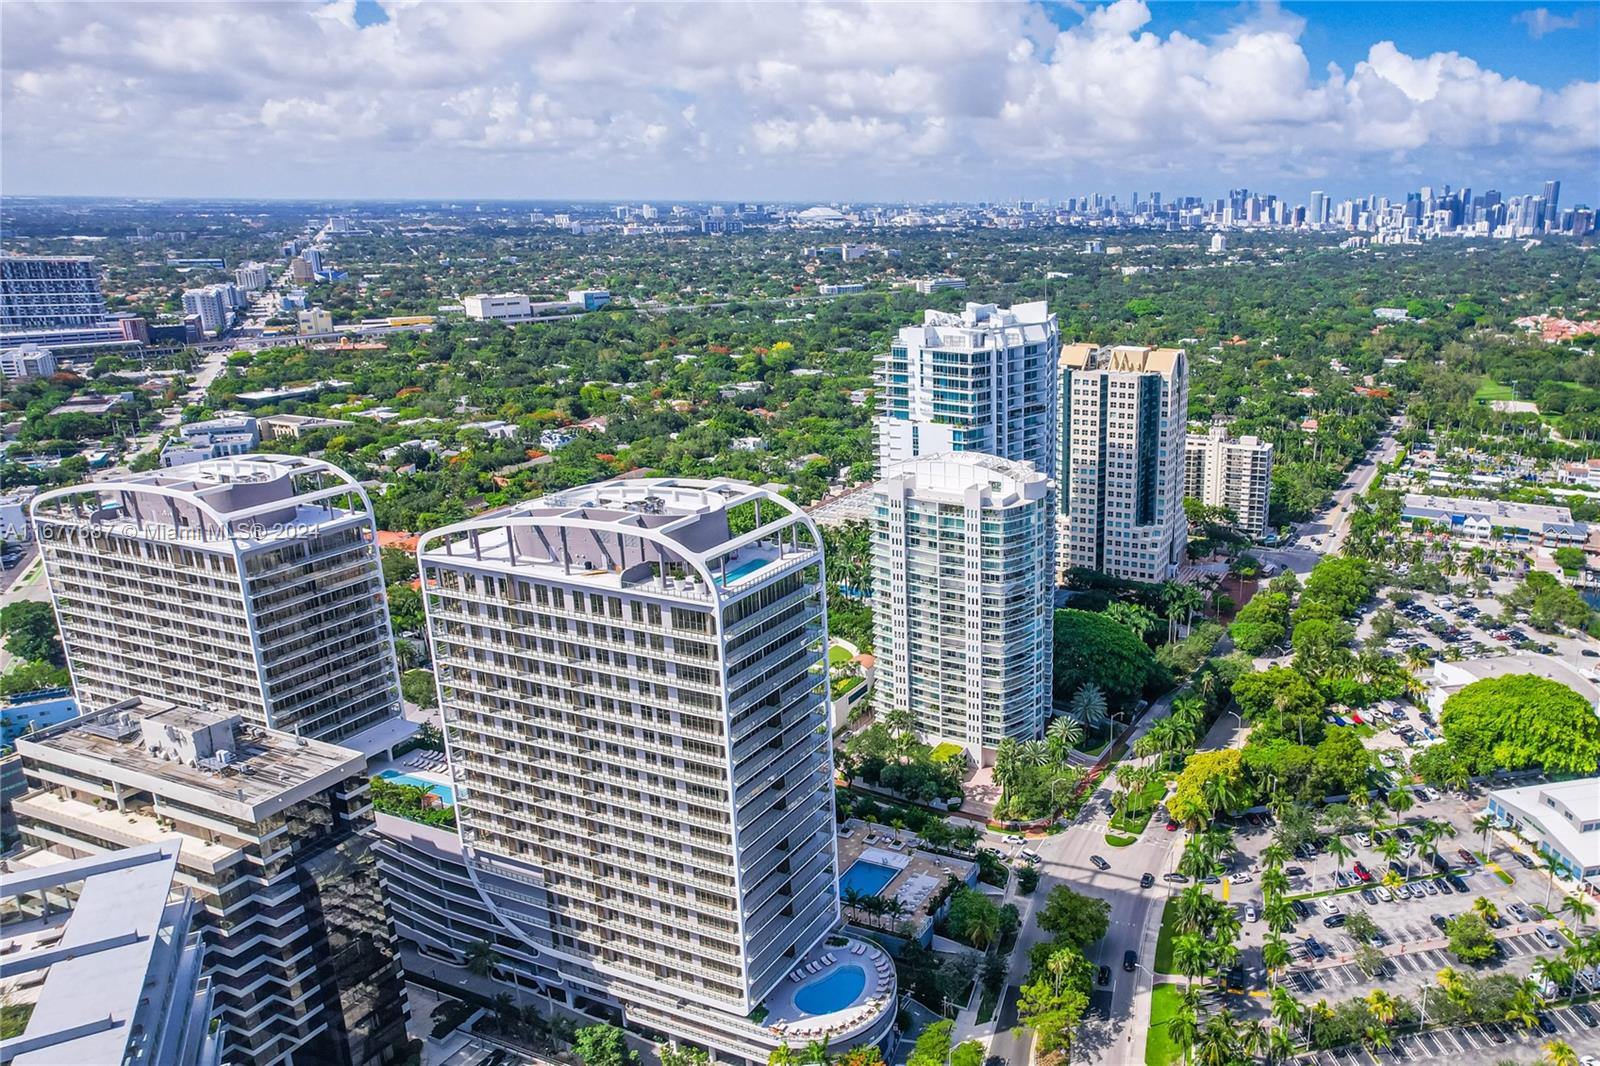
<point x="905" y="102"/>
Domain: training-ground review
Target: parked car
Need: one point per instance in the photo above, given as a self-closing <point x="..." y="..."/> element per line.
<point x="1362" y="872"/>
<point x="1458" y="883"/>
<point x="1378" y="939"/>
<point x="1250" y="913"/>
<point x="1300" y="909"/>
<point x="1368" y="896"/>
<point x="1329" y="905"/>
<point x="1384" y="894"/>
<point x="1028" y="855"/>
<point x="1099" y="863"/>
<point x="1444" y="887"/>
<point x="1314" y="949"/>
<point x="1438" y="920"/>
<point x="1429" y="887"/>
<point x="1585" y="1015"/>
<point x="1519" y="912"/>
<point x="1550" y="937"/>
<point x="1015" y="838"/>
<point x="1466" y="856"/>
<point x="1147" y="880"/>
<point x="1526" y="862"/>
<point x="1333" y="921"/>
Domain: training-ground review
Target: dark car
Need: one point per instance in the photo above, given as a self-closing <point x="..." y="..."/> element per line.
<point x="1253" y="818"/>
<point x="1104" y="977"/>
<point x="1211" y="879"/>
<point x="1369" y="897"/>
<point x="1147" y="880"/>
<point x="1466" y="856"/>
<point x="1314" y="949"/>
<point x="1548" y="1024"/>
<point x="1458" y="883"/>
<point x="1440" y="863"/>
<point x="1444" y="887"/>
<point x="1130" y="959"/>
<point x="1402" y="832"/>
<point x="1585" y="1015"/>
<point x="1333" y="921"/>
<point x="1295" y="871"/>
<point x="1438" y="920"/>
<point x="1398" y="867"/>
<point x="1590" y="653"/>
<point x="1526" y="862"/>
<point x="1099" y="863"/>
<point x="1300" y="909"/>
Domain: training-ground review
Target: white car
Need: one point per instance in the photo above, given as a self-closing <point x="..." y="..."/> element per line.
<point x="1239" y="879"/>
<point x="1015" y="839"/>
<point x="1329" y="905"/>
<point x="1364" y="840"/>
<point x="1384" y="894"/>
<point x="1250" y="914"/>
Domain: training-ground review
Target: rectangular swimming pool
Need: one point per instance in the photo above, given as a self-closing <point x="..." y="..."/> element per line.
<point x="744" y="569"/>
<point x="867" y="878"/>
<point x="445" y="793"/>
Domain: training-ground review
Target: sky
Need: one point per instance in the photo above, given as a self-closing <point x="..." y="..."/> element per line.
<point x="816" y="102"/>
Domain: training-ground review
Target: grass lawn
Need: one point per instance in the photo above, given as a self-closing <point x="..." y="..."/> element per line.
<point x="837" y="656"/>
<point x="845" y="684"/>
<point x="1159" y="1050"/>
<point x="1169" y="919"/>
<point x="1117" y="840"/>
<point x="1492" y="390"/>
<point x="1144" y="804"/>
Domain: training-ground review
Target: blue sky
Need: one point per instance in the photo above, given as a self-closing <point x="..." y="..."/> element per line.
<point x="778" y="101"/>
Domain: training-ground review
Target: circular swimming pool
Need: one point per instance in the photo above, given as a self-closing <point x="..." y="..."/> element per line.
<point x="835" y="990"/>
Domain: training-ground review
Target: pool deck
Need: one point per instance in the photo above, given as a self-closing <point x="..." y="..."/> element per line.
<point x="921" y="873"/>
<point x="421" y="764"/>
<point x="868" y="1010"/>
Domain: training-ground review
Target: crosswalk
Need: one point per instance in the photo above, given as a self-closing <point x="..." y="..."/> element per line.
<point x="1483" y="1043"/>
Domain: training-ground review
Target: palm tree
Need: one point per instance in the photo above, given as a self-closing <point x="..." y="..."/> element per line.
<point x="1280" y="1045"/>
<point x="1340" y="850"/>
<point x="1182" y="1029"/>
<point x="1484" y="908"/>
<point x="816" y="1052"/>
<point x="1193" y="907"/>
<point x="1482" y="825"/>
<point x="1216" y="1044"/>
<point x="1579" y="906"/>
<point x="1287" y="1011"/>
<point x="1274" y="855"/>
<point x="1391" y="848"/>
<point x="1274" y="954"/>
<point x="1274" y="881"/>
<point x="1557" y="971"/>
<point x="1524" y="1005"/>
<point x="1455" y="987"/>
<point x="1190" y="954"/>
<point x="1007" y="765"/>
<point x="1382" y="1006"/>
<point x="1065" y="734"/>
<point x="481" y="958"/>
<point x="1089" y="704"/>
<point x="1559" y="1053"/>
<point x="983" y="925"/>
<point x="782" y="1055"/>
<point x="1279" y="914"/>
<point x="1400" y="800"/>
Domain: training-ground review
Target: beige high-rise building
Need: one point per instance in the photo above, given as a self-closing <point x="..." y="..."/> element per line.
<point x="1123" y="416"/>
<point x="249" y="584"/>
<point x="1237" y="474"/>
<point x="634" y="698"/>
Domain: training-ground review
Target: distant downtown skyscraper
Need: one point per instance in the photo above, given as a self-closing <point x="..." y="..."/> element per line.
<point x="248" y="585"/>
<point x="982" y="380"/>
<point x="633" y="686"/>
<point x="1124" y="411"/>
<point x="963" y="598"/>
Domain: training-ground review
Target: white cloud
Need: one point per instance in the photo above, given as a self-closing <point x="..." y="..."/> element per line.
<point x="1541" y="21"/>
<point x="821" y="99"/>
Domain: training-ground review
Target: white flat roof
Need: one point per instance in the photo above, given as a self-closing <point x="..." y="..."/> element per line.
<point x="1559" y="810"/>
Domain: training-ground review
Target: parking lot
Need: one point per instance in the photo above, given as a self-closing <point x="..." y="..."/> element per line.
<point x="1470" y="1045"/>
<point x="1473" y="627"/>
<point x="1415" y="948"/>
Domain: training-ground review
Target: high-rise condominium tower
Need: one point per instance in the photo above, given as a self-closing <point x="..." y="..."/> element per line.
<point x="962" y="598"/>
<point x="269" y="829"/>
<point x="45" y="291"/>
<point x="249" y="585"/>
<point x="1237" y="474"/>
<point x="633" y="701"/>
<point x="979" y="381"/>
<point x="1124" y="411"/>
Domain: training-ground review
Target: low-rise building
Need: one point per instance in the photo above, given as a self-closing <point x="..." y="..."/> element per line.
<point x="212" y="438"/>
<point x="293" y="427"/>
<point x="551" y="439"/>
<point x="106" y="953"/>
<point x="929" y="285"/>
<point x="27" y="361"/>
<point x="589" y="299"/>
<point x="840" y="288"/>
<point x="501" y="307"/>
<point x="1560" y="819"/>
<point x="1482" y="519"/>
<point x="300" y="949"/>
<point x="314" y="320"/>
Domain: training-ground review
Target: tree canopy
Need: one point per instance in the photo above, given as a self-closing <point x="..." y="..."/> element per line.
<point x="1097" y="649"/>
<point x="1519" y="721"/>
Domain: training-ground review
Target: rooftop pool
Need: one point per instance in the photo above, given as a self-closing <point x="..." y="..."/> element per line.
<point x="445" y="793"/>
<point x="745" y="569"/>
<point x="833" y="991"/>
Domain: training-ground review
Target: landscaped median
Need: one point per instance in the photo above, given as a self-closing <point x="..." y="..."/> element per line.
<point x="1159" y="1048"/>
<point x="1169" y="920"/>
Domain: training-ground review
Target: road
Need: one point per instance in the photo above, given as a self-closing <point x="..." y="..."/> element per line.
<point x="1325" y="534"/>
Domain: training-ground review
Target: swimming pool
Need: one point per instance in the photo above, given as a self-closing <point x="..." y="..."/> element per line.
<point x="867" y="878"/>
<point x="445" y="793"/>
<point x="744" y="569"/>
<point x="836" y="990"/>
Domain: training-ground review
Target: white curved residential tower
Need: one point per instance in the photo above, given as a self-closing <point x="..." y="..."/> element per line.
<point x="632" y="679"/>
<point x="962" y="555"/>
<point x="248" y="584"/>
